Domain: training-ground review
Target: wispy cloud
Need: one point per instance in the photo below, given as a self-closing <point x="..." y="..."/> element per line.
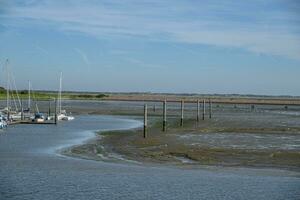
<point x="83" y="55"/>
<point x="143" y="64"/>
<point x="41" y="49"/>
<point x="269" y="27"/>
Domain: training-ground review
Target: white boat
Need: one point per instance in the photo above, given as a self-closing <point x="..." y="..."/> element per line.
<point x="49" y="118"/>
<point x="3" y="122"/>
<point x="12" y="98"/>
<point x="39" y="117"/>
<point x="62" y="114"/>
<point x="16" y="116"/>
<point x="13" y="115"/>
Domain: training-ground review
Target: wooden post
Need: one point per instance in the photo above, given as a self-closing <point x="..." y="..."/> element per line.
<point x="49" y="110"/>
<point x="154" y="108"/>
<point x="22" y="110"/>
<point x="203" y="109"/>
<point x="145" y="120"/>
<point x="210" y="108"/>
<point x="8" y="114"/>
<point x="182" y="110"/>
<point x="198" y="110"/>
<point x="165" y="115"/>
<point x="55" y="112"/>
<point x="252" y="107"/>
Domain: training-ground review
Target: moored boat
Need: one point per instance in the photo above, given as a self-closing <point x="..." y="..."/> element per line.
<point x="39" y="117"/>
<point x="62" y="114"/>
<point x="3" y="123"/>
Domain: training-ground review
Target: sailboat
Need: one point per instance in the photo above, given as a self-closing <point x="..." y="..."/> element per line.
<point x="11" y="114"/>
<point x="3" y="122"/>
<point x="62" y="114"/>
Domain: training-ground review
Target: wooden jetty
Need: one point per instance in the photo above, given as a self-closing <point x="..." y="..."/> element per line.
<point x="50" y="122"/>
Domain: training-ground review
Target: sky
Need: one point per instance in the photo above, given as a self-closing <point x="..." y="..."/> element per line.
<point x="176" y="46"/>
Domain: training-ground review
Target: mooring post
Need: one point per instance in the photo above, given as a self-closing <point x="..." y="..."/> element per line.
<point x="49" y="110"/>
<point x="8" y="115"/>
<point x="203" y="109"/>
<point x="252" y="107"/>
<point x="145" y="120"/>
<point x="22" y="110"/>
<point x="154" y="108"/>
<point x="182" y="110"/>
<point x="165" y="115"/>
<point x="55" y="112"/>
<point x="210" y="108"/>
<point x="198" y="110"/>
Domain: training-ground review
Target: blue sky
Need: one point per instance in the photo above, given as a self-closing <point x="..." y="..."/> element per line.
<point x="246" y="47"/>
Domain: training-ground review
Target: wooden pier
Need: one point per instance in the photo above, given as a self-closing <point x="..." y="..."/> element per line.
<point x="50" y="122"/>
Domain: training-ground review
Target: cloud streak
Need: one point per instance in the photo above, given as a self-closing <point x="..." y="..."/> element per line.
<point x="83" y="56"/>
<point x="267" y="27"/>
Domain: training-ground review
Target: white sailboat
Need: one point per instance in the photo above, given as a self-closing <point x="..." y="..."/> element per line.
<point x="3" y="122"/>
<point x="62" y="114"/>
<point x="13" y="114"/>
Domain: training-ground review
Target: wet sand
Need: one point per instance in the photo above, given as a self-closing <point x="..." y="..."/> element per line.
<point x="267" y="137"/>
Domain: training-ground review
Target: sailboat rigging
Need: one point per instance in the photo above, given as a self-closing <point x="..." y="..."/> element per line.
<point x="62" y="114"/>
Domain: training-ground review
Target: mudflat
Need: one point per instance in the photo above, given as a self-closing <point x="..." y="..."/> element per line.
<point x="266" y="136"/>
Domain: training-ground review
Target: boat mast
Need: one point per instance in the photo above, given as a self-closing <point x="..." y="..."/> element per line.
<point x="60" y="88"/>
<point x="7" y="86"/>
<point x="16" y="91"/>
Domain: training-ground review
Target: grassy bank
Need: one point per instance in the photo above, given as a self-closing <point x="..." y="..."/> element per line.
<point x="51" y="95"/>
<point x="159" y="97"/>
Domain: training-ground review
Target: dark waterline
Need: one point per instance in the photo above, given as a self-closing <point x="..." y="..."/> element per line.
<point x="30" y="168"/>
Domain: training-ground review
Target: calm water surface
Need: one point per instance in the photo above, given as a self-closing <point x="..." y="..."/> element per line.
<point x="32" y="168"/>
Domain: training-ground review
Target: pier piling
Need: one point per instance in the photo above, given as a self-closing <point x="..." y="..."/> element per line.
<point x="145" y="120"/>
<point x="182" y="110"/>
<point x="55" y="112"/>
<point x="8" y="114"/>
<point x="198" y="110"/>
<point x="22" y="110"/>
<point x="49" y="109"/>
<point x="210" y="109"/>
<point x="252" y="108"/>
<point x="165" y="116"/>
<point x="203" y="110"/>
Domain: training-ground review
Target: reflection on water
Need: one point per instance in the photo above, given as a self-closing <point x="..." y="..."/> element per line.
<point x="30" y="169"/>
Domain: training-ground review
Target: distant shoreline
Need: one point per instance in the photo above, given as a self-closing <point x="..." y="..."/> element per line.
<point x="155" y="97"/>
<point x="218" y="100"/>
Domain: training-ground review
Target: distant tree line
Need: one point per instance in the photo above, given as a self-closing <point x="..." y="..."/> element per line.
<point x="87" y="96"/>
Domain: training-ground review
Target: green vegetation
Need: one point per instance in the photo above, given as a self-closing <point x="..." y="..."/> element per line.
<point x="89" y="96"/>
<point x="38" y="95"/>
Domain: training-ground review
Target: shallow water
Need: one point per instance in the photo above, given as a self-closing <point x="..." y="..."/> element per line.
<point x="31" y="168"/>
